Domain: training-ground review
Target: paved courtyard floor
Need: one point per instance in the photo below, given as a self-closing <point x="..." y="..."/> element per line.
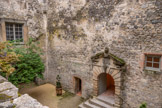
<point x="46" y="95"/>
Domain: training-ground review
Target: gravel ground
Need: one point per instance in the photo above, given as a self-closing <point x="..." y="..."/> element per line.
<point x="46" y="95"/>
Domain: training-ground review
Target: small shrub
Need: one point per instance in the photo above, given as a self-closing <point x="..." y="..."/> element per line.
<point x="7" y="59"/>
<point x="58" y="83"/>
<point x="143" y="105"/>
<point x="29" y="66"/>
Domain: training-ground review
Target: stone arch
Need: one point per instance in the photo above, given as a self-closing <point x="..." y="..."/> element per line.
<point x="105" y="62"/>
<point x="106" y="83"/>
<point x="116" y="75"/>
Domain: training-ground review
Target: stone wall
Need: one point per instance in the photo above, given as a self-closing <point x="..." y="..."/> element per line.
<point x="32" y="12"/>
<point x="28" y="10"/>
<point x="140" y="33"/>
<point x="76" y="32"/>
<point x="79" y="29"/>
<point x="71" y="31"/>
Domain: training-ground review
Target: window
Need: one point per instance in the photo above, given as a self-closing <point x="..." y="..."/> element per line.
<point x="14" y="32"/>
<point x="152" y="62"/>
<point x="12" y="29"/>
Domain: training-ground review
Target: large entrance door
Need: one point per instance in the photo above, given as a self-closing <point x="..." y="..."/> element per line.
<point x="105" y="83"/>
<point x="78" y="86"/>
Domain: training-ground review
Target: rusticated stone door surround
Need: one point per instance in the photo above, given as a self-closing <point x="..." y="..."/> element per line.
<point x="116" y="74"/>
<point x="112" y="68"/>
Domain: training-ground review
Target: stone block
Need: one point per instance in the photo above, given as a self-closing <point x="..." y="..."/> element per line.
<point x="25" y="101"/>
<point x="7" y="104"/>
<point x="117" y="92"/>
<point x="115" y="72"/>
<point x="117" y="79"/>
<point x="117" y="83"/>
<point x="9" y="89"/>
<point x="2" y="79"/>
<point x="118" y="75"/>
<point x="117" y="105"/>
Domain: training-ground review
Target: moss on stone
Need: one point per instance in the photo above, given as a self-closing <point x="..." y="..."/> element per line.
<point x="97" y="56"/>
<point x="118" y="59"/>
<point x="67" y="94"/>
<point x="19" y="94"/>
<point x="4" y="97"/>
<point x="14" y="106"/>
<point x="78" y="15"/>
<point x="1" y="81"/>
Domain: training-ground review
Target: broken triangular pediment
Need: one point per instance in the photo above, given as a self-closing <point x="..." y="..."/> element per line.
<point x="106" y="56"/>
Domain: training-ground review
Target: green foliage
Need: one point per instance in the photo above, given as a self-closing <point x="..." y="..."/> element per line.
<point x="67" y="94"/>
<point x="3" y="74"/>
<point x="58" y="83"/>
<point x="7" y="58"/>
<point x="143" y="105"/>
<point x="30" y="64"/>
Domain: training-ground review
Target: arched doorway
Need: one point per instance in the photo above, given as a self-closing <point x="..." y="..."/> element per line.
<point x="107" y="76"/>
<point x="106" y="84"/>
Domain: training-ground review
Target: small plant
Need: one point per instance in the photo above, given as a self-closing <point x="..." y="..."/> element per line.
<point x="67" y="94"/>
<point x="143" y="105"/>
<point x="58" y="86"/>
<point x="7" y="59"/>
<point x="58" y="83"/>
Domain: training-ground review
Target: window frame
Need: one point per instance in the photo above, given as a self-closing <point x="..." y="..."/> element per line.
<point x="152" y="68"/>
<point x="14" y="31"/>
<point x="3" y="35"/>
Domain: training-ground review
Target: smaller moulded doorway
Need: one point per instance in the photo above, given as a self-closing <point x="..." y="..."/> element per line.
<point x="78" y="86"/>
<point x="106" y="84"/>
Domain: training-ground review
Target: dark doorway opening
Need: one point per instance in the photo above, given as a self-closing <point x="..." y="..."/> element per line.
<point x="78" y="86"/>
<point x="106" y="84"/>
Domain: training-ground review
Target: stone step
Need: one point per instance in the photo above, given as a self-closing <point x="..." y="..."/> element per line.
<point x="89" y="105"/>
<point x="81" y="106"/>
<point x="108" y="100"/>
<point x="102" y="101"/>
<point x="99" y="103"/>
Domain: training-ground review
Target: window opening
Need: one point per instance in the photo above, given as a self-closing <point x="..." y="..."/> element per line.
<point x="14" y="32"/>
<point x="152" y="62"/>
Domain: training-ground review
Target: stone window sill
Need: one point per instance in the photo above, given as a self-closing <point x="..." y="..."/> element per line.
<point x="153" y="71"/>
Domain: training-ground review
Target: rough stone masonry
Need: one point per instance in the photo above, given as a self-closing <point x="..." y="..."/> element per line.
<point x="72" y="31"/>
